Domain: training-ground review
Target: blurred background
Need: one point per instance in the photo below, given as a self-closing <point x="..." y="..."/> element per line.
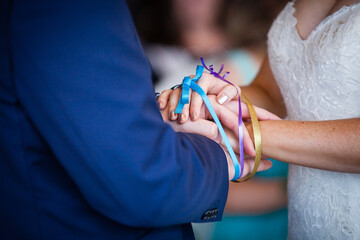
<point x="175" y="34"/>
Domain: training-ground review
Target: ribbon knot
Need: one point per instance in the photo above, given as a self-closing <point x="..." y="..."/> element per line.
<point x="186" y="85"/>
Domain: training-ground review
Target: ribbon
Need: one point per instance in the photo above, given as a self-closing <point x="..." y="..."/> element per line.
<point x="257" y="137"/>
<point x="241" y="133"/>
<point x="190" y="83"/>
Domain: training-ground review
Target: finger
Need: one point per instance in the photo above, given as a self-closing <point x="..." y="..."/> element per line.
<point x="233" y="105"/>
<point x="230" y="120"/>
<point x="201" y="127"/>
<point x="196" y="103"/>
<point x="249" y="166"/>
<point x="209" y="84"/>
<point x="164" y="98"/>
<point x="233" y="140"/>
<point x="173" y="101"/>
<point x="235" y="145"/>
<point x="164" y="114"/>
<point x="184" y="116"/>
<point x="227" y="117"/>
<point x="204" y="113"/>
<point x="248" y="143"/>
<point x="249" y="149"/>
<point x="228" y="93"/>
<point x="261" y="113"/>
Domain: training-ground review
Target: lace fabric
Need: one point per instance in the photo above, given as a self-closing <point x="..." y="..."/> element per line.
<point x="319" y="79"/>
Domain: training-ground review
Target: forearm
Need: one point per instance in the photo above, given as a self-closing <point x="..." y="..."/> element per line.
<point x="329" y="145"/>
<point x="257" y="196"/>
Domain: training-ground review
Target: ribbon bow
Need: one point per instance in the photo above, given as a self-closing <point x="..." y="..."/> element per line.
<point x="188" y="83"/>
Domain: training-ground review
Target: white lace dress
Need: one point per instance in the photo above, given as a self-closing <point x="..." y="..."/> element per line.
<point x="319" y="79"/>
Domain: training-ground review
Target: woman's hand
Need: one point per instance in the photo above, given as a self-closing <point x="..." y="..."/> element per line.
<point x="227" y="113"/>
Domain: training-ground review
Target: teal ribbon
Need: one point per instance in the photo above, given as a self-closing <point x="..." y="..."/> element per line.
<point x="188" y="84"/>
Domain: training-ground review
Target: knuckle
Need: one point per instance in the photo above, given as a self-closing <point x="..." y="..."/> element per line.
<point x="231" y="89"/>
<point x="213" y="131"/>
<point x="194" y="94"/>
<point x="204" y="80"/>
<point x="212" y="99"/>
<point x="165" y="92"/>
<point x="218" y="138"/>
<point x="173" y="97"/>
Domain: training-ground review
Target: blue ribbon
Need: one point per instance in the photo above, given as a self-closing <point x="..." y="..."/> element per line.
<point x="188" y="84"/>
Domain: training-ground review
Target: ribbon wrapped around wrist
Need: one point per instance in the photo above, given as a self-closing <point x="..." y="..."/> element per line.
<point x="190" y="83"/>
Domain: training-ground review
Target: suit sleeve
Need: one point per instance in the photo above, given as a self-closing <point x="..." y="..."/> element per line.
<point x="82" y="78"/>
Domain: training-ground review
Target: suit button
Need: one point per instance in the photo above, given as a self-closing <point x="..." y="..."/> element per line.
<point x="210" y="214"/>
<point x="206" y="216"/>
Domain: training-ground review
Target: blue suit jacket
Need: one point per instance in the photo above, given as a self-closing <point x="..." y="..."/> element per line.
<point x="84" y="153"/>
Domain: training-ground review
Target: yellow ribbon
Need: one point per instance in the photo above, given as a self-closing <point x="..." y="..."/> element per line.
<point x="257" y="139"/>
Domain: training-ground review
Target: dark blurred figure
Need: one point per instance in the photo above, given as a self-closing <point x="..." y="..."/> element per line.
<point x="178" y="32"/>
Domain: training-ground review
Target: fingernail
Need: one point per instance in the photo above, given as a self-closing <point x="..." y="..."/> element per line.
<point x="182" y="117"/>
<point x="222" y="99"/>
<point x="176" y="116"/>
<point x="194" y="116"/>
<point x="173" y="116"/>
<point x="161" y="105"/>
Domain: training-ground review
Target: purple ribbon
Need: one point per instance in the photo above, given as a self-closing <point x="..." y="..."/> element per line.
<point x="241" y="134"/>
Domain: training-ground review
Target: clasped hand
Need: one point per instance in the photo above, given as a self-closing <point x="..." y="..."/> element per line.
<point x="221" y="96"/>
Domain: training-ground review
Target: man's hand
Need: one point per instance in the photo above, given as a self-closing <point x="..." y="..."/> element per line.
<point x="202" y="127"/>
<point x="209" y="129"/>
